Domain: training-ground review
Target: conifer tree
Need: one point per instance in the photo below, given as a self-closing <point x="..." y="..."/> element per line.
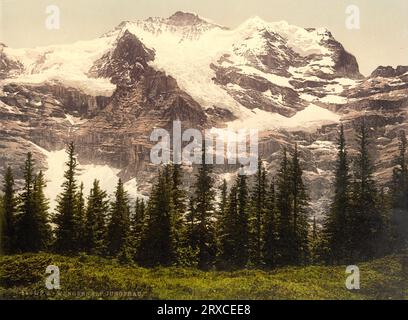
<point x="228" y="252"/>
<point x="118" y="236"/>
<point x="204" y="210"/>
<point x="299" y="207"/>
<point x="286" y="237"/>
<point x="40" y="209"/>
<point x="269" y="248"/>
<point x="138" y="221"/>
<point x="181" y="244"/>
<point x="32" y="229"/>
<point x="242" y="223"/>
<point x="367" y="224"/>
<point x="96" y="216"/>
<point x="399" y="218"/>
<point x="157" y="245"/>
<point x="259" y="207"/>
<point x="65" y="218"/>
<point x="80" y="218"/>
<point x="9" y="212"/>
<point x="26" y="224"/>
<point x="338" y="223"/>
<point x="221" y="213"/>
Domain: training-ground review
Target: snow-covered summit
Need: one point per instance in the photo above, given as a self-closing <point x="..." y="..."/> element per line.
<point x="272" y="66"/>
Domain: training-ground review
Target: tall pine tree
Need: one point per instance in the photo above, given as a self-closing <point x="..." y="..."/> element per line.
<point x="96" y="216"/>
<point x="299" y="206"/>
<point x="367" y="223"/>
<point x="118" y="237"/>
<point x="40" y="208"/>
<point x="399" y="218"/>
<point x="259" y="207"/>
<point x="286" y="238"/>
<point x="65" y="218"/>
<point x="203" y="200"/>
<point x="269" y="248"/>
<point x="9" y="211"/>
<point x="158" y="241"/>
<point x="338" y="223"/>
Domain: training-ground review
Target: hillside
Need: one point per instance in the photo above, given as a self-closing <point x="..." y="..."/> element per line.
<point x="22" y="276"/>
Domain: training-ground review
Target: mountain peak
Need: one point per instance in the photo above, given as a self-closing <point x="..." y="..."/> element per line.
<point x="181" y="18"/>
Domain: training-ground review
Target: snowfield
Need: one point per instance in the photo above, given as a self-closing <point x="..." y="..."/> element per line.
<point x="186" y="53"/>
<point x="67" y="64"/>
<point x="107" y="176"/>
<point x="309" y="119"/>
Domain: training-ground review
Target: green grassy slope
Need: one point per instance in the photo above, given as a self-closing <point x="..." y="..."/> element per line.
<point x="22" y="276"/>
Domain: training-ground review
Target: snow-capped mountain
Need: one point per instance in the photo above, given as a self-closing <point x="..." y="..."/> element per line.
<point x="107" y="94"/>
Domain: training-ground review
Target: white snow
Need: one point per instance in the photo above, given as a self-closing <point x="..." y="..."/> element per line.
<point x="67" y="64"/>
<point x="107" y="176"/>
<point x="308" y="119"/>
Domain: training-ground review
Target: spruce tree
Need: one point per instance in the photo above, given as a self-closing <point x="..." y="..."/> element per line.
<point x="221" y="213"/>
<point x="269" y="247"/>
<point x="65" y="218"/>
<point x="180" y="231"/>
<point x="228" y="251"/>
<point x="138" y="223"/>
<point x="80" y="219"/>
<point x="204" y="195"/>
<point x="339" y="220"/>
<point x="26" y="223"/>
<point x="367" y="224"/>
<point x="118" y="235"/>
<point x="32" y="229"/>
<point x="40" y="209"/>
<point x="157" y="245"/>
<point x="9" y="210"/>
<point x="399" y="218"/>
<point x="96" y="216"/>
<point x="299" y="207"/>
<point x="286" y="245"/>
<point x="242" y="223"/>
<point x="259" y="207"/>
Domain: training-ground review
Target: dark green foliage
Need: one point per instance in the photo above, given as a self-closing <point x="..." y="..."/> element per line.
<point x="284" y="205"/>
<point x="367" y="234"/>
<point x="65" y="218"/>
<point x="9" y="212"/>
<point x="300" y="206"/>
<point x="118" y="236"/>
<point x="40" y="208"/>
<point x="337" y="231"/>
<point x="270" y="243"/>
<point x="157" y="244"/>
<point x="204" y="225"/>
<point x="96" y="215"/>
<point x="399" y="218"/>
<point x="80" y="219"/>
<point x="138" y="223"/>
<point x="227" y="235"/>
<point x="258" y="212"/>
<point x="32" y="229"/>
<point x="242" y="223"/>
<point x="234" y="233"/>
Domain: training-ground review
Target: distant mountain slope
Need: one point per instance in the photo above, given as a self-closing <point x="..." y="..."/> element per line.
<point x="108" y="94"/>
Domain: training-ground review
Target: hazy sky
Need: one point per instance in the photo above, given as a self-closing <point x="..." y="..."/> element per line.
<point x="382" y="39"/>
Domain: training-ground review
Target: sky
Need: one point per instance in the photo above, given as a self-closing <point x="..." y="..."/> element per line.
<point x="381" y="40"/>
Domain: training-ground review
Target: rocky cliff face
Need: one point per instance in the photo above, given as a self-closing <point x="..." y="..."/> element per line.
<point x="108" y="94"/>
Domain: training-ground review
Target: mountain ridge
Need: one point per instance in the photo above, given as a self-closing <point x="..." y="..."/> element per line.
<point x="108" y="94"/>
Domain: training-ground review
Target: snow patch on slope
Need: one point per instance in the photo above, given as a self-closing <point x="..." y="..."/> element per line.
<point x="107" y="176"/>
<point x="308" y="119"/>
<point x="67" y="64"/>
